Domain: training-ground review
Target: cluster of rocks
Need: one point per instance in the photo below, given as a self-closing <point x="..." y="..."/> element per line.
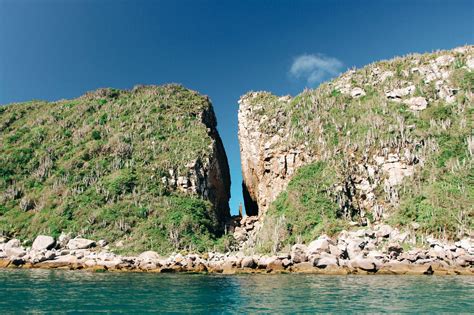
<point x="381" y="249"/>
<point x="371" y="250"/>
<point x="437" y="70"/>
<point x="246" y="230"/>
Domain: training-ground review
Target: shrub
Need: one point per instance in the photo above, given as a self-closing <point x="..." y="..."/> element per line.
<point x="308" y="205"/>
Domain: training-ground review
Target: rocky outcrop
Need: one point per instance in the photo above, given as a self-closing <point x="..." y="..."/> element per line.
<point x="278" y="135"/>
<point x="267" y="161"/>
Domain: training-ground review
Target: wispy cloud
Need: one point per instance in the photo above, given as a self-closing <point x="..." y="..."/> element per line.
<point x="315" y="68"/>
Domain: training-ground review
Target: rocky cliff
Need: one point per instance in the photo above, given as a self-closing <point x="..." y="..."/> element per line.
<point x="268" y="162"/>
<point x="393" y="139"/>
<point x="146" y="166"/>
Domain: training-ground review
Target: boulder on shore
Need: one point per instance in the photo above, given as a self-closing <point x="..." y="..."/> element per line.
<point x="43" y="242"/>
<point x="319" y="245"/>
<point x="298" y="253"/>
<point x="149" y="256"/>
<point x="15" y="252"/>
<point x="324" y="262"/>
<point x="80" y="243"/>
<point x="248" y="262"/>
<point x="13" y="249"/>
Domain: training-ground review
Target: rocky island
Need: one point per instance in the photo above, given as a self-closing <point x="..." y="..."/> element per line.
<point x="368" y="173"/>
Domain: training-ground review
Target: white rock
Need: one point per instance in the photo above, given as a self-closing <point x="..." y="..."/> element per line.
<point x="328" y="261"/>
<point x="102" y="243"/>
<point x="399" y="237"/>
<point x="375" y="254"/>
<point x="379" y="160"/>
<point x="464" y="244"/>
<point x="335" y="250"/>
<point x="470" y="63"/>
<point x="384" y="231"/>
<point x="264" y="261"/>
<point x="149" y="255"/>
<point x="63" y="239"/>
<point x="353" y="249"/>
<point x="67" y="259"/>
<point x="357" y="92"/>
<point x="385" y="75"/>
<point x="43" y="242"/>
<point x="399" y="93"/>
<point x="367" y="264"/>
<point x="15" y="252"/>
<point x="437" y="252"/>
<point x="415" y="225"/>
<point x="248" y="262"/>
<point x="416" y="103"/>
<point x="460" y="50"/>
<point x="12" y="243"/>
<point x="80" y="243"/>
<point x="317" y="246"/>
<point x="444" y="61"/>
<point x="396" y="172"/>
<point x="298" y="253"/>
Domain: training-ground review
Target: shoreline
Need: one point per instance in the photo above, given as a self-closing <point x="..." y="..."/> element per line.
<point x="301" y="268"/>
<point x="381" y="250"/>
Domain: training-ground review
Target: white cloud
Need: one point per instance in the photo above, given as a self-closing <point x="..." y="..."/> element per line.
<point x="315" y="68"/>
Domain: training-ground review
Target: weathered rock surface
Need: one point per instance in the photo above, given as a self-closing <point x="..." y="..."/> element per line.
<point x="43" y="242"/>
<point x="299" y="253"/>
<point x="149" y="256"/>
<point x="267" y="165"/>
<point x="80" y="243"/>
<point x="248" y="262"/>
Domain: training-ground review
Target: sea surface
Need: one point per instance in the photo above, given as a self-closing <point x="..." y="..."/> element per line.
<point x="56" y="291"/>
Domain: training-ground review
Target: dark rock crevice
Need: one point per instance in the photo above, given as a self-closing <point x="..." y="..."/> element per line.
<point x="251" y="206"/>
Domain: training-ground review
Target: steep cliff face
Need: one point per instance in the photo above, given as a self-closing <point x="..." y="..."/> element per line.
<point x="207" y="177"/>
<point x="378" y="130"/>
<point x="145" y="166"/>
<point x="268" y="162"/>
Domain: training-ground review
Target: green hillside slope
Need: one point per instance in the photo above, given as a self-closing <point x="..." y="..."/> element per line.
<point x="145" y="166"/>
<point x="392" y="142"/>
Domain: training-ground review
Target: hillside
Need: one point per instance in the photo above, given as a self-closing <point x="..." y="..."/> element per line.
<point x="145" y="167"/>
<point x="389" y="143"/>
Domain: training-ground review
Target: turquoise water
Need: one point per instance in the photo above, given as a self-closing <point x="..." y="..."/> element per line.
<point x="50" y="291"/>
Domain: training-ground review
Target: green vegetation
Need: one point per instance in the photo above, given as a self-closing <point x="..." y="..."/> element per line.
<point x="441" y="196"/>
<point x="304" y="211"/>
<point x="94" y="167"/>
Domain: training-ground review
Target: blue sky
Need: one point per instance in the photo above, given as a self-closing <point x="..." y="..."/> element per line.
<point x="60" y="49"/>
